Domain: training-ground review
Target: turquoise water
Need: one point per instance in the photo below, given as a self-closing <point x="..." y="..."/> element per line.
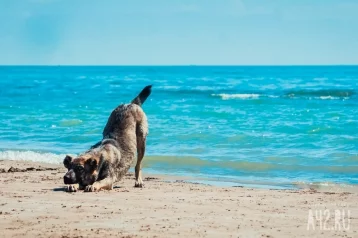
<point x="264" y="125"/>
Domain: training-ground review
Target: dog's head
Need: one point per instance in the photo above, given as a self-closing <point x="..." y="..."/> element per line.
<point x="92" y="165"/>
<point x="82" y="170"/>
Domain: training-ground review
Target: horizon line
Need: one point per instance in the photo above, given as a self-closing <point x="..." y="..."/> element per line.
<point x="168" y="65"/>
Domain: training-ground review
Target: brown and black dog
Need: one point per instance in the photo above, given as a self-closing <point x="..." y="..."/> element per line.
<point x="106" y="162"/>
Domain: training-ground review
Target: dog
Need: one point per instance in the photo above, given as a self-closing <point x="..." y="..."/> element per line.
<point x="106" y="162"/>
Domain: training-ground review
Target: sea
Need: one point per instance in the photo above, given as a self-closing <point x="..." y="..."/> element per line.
<point x="261" y="126"/>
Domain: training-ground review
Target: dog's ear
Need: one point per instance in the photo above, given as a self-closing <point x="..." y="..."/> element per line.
<point x="91" y="165"/>
<point x="67" y="161"/>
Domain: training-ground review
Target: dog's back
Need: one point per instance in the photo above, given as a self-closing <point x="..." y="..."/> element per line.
<point x="128" y="125"/>
<point x="126" y="117"/>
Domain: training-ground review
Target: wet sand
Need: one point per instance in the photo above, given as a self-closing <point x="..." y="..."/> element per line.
<point x="34" y="204"/>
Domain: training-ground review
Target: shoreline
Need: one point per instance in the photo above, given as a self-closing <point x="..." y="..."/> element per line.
<point x="220" y="181"/>
<point x="34" y="204"/>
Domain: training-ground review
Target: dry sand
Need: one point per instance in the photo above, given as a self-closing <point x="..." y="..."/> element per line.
<point x="33" y="204"/>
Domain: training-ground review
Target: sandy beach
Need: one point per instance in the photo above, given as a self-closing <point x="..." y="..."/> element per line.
<point x="34" y="204"/>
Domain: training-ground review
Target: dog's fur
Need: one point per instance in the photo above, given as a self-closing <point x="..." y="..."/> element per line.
<point x="109" y="160"/>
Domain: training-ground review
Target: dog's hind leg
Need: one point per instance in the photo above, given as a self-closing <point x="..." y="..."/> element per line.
<point x="138" y="168"/>
<point x="141" y="132"/>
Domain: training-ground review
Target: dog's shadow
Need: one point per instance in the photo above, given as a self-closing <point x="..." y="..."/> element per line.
<point x="62" y="189"/>
<point x="59" y="189"/>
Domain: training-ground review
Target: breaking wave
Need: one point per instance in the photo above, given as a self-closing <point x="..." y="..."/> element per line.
<point x="226" y="96"/>
<point x="32" y="156"/>
<point x="323" y="94"/>
<point x="240" y="165"/>
<point x="303" y="94"/>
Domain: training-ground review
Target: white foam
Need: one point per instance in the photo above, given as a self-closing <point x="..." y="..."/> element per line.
<point x="32" y="156"/>
<point x="204" y="88"/>
<point x="170" y="87"/>
<point x="328" y="98"/>
<point x="225" y="96"/>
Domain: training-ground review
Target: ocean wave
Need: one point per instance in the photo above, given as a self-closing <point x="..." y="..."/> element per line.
<point x="32" y="156"/>
<point x="317" y="95"/>
<point x="228" y="93"/>
<point x="226" y="96"/>
<point x="330" y="98"/>
<point x="196" y="90"/>
<point x="323" y="94"/>
<point x="169" y="87"/>
<point x="194" y="163"/>
<point x="70" y="122"/>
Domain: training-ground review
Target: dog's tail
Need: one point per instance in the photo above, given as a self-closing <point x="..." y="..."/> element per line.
<point x="143" y="95"/>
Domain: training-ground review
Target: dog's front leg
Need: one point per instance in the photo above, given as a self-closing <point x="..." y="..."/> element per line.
<point x="73" y="188"/>
<point x="106" y="183"/>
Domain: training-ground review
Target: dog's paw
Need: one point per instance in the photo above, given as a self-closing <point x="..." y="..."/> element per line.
<point x="139" y="184"/>
<point x="91" y="188"/>
<point x="71" y="188"/>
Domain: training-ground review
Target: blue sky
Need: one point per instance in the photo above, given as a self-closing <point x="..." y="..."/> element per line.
<point x="178" y="32"/>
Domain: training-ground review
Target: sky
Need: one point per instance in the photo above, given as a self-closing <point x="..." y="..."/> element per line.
<point x="178" y="32"/>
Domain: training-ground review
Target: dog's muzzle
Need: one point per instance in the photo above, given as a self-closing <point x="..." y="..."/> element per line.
<point x="70" y="177"/>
